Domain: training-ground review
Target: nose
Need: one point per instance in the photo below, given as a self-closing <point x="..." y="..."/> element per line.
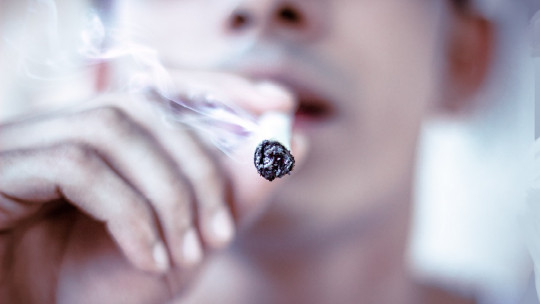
<point x="296" y="19"/>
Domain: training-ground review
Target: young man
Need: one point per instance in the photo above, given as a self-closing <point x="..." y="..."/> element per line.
<point x="108" y="204"/>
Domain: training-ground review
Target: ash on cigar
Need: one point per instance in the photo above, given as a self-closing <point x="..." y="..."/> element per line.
<point x="273" y="160"/>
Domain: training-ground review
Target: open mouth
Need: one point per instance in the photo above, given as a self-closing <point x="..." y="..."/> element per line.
<point x="313" y="104"/>
<point x="313" y="109"/>
<point x="315" y="100"/>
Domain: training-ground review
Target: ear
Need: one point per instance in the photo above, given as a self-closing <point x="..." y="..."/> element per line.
<point x="469" y="58"/>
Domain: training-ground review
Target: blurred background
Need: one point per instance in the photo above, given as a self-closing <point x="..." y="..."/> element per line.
<point x="471" y="186"/>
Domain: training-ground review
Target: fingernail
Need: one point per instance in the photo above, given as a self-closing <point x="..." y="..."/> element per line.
<point x="160" y="257"/>
<point x="191" y="247"/>
<point x="222" y="227"/>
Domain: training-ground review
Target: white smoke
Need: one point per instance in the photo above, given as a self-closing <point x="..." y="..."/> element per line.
<point x="53" y="50"/>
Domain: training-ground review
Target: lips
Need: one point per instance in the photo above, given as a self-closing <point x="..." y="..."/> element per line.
<point x="314" y="105"/>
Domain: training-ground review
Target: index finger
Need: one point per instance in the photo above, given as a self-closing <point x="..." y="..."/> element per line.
<point x="255" y="97"/>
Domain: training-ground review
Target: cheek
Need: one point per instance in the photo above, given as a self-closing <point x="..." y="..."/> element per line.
<point x="185" y="33"/>
<point x="398" y="74"/>
<point x="399" y="70"/>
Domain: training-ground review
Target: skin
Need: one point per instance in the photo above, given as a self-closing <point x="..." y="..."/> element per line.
<point x="334" y="231"/>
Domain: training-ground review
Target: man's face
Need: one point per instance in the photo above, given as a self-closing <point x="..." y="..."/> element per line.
<point x="364" y="73"/>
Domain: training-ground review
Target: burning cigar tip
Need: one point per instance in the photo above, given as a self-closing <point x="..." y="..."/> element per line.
<point x="273" y="160"/>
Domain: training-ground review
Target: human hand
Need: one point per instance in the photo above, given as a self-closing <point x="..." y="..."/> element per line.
<point x="107" y="203"/>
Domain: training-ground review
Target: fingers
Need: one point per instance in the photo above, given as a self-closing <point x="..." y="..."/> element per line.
<point x="130" y="150"/>
<point x="123" y="165"/>
<point x="250" y="191"/>
<point x="215" y="218"/>
<point x="208" y="183"/>
<point x="167" y="166"/>
<point x="77" y="173"/>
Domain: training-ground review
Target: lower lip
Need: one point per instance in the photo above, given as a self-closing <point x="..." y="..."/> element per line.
<point x="304" y="121"/>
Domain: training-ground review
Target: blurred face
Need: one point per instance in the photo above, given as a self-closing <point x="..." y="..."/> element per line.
<point x="364" y="73"/>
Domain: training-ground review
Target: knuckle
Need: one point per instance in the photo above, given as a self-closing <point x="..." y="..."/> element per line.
<point x="183" y="219"/>
<point x="181" y="206"/>
<point x="135" y="230"/>
<point x="75" y="165"/>
<point x="182" y="194"/>
<point x="110" y="114"/>
<point x="78" y="155"/>
<point x="203" y="170"/>
<point x="74" y="152"/>
<point x="116" y="124"/>
<point x="111" y="118"/>
<point x="208" y="174"/>
<point x="209" y="185"/>
<point x="139" y="219"/>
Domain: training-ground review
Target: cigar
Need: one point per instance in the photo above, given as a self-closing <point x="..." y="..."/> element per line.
<point x="272" y="157"/>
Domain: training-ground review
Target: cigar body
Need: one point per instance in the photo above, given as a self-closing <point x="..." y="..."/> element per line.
<point x="272" y="157"/>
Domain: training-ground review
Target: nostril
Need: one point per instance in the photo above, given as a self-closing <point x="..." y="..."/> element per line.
<point x="276" y="15"/>
<point x="290" y="14"/>
<point x="239" y="20"/>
